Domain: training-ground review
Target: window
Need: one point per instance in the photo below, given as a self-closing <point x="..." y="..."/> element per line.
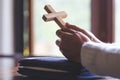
<point x="99" y="16"/>
<point x="102" y="21"/>
<point x="44" y="33"/>
<point x="6" y="27"/>
<point x="117" y="21"/>
<point x="18" y="25"/>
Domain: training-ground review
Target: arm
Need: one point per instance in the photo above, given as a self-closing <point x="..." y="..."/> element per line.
<point x="81" y="46"/>
<point x="101" y="58"/>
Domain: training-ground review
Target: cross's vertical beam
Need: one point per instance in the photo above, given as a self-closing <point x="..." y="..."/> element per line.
<point x="53" y="15"/>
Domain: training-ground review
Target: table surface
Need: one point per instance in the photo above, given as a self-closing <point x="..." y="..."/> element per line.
<point x="9" y="67"/>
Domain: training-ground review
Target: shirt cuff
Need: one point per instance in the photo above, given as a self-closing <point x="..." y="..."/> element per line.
<point x="88" y="57"/>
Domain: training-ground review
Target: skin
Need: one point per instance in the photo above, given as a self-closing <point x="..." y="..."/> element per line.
<point x="71" y="40"/>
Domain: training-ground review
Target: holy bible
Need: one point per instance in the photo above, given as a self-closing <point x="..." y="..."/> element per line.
<point x="54" y="68"/>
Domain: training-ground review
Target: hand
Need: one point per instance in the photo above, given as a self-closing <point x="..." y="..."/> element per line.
<point x="70" y="42"/>
<point x="91" y="36"/>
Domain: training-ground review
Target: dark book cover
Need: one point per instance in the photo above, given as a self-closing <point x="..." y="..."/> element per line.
<point x="54" y="68"/>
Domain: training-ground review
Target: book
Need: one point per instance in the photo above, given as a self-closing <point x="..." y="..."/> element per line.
<point x="54" y="68"/>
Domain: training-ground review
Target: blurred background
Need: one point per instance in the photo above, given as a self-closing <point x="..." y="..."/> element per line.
<point x="22" y="30"/>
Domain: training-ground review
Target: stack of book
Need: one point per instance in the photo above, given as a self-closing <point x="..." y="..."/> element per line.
<point x="54" y="68"/>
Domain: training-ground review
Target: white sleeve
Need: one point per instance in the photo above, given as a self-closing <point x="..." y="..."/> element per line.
<point x="101" y="58"/>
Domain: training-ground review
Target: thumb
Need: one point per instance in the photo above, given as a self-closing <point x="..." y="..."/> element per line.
<point x="58" y="42"/>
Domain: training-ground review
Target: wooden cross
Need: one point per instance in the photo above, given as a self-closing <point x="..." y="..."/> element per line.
<point x="53" y="15"/>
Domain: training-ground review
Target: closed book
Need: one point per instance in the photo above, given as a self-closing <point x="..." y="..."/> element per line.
<point x="54" y="68"/>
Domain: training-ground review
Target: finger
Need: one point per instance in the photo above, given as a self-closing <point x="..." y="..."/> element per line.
<point x="86" y="32"/>
<point x="58" y="42"/>
<point x="91" y="36"/>
<point x="68" y="25"/>
<point x="68" y="30"/>
<point x="82" y="37"/>
<point x="74" y="27"/>
<point x="62" y="34"/>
